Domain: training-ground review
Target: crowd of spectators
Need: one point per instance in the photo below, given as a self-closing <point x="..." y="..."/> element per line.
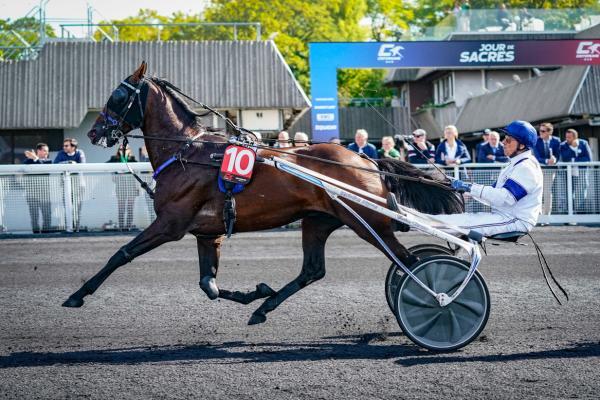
<point x="415" y="149"/>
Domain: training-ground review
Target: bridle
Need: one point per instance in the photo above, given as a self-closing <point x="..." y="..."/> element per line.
<point x="134" y="117"/>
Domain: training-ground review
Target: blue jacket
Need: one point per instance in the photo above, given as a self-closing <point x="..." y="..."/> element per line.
<point x="414" y="157"/>
<point x="62" y="157"/>
<point x="369" y="149"/>
<point x="540" y="152"/>
<point x="584" y="153"/>
<point x="487" y="149"/>
<point x="462" y="153"/>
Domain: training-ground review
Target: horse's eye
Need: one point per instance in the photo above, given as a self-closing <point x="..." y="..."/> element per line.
<point x="119" y="96"/>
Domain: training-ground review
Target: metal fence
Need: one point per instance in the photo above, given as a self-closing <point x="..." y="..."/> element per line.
<point x="104" y="197"/>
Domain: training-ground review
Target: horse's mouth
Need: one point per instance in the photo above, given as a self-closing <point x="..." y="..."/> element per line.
<point x="98" y="141"/>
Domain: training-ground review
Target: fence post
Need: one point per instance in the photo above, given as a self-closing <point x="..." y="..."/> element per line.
<point x="570" y="190"/>
<point x="68" y="200"/>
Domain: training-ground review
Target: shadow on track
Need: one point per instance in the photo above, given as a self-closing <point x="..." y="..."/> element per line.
<point x="577" y="350"/>
<point x="367" y="346"/>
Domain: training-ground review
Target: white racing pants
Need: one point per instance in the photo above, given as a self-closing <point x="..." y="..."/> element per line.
<point x="486" y="223"/>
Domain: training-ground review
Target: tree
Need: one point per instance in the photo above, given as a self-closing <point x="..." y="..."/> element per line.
<point x="20" y="37"/>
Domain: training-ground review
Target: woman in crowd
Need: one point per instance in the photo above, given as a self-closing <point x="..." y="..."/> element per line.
<point x="452" y="151"/>
<point x="126" y="189"/>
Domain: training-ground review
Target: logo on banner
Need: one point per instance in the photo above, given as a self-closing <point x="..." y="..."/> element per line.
<point x="325" y="117"/>
<point x="489" y="53"/>
<point x="588" y="51"/>
<point x="389" y="53"/>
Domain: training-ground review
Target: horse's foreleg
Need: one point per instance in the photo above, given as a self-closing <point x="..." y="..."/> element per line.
<point x="209" y="251"/>
<point x="315" y="231"/>
<point x="157" y="233"/>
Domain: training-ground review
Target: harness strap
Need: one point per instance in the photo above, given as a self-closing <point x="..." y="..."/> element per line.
<point x="163" y="166"/>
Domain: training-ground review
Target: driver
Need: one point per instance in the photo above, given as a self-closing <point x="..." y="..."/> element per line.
<point x="515" y="198"/>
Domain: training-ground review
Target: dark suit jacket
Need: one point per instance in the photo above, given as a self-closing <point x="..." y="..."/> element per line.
<point x="539" y="150"/>
<point x="487" y="149"/>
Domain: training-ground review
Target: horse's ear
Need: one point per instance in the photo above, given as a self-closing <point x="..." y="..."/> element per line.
<point x="140" y="71"/>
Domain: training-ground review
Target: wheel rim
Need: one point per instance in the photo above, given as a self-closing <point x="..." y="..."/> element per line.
<point x="395" y="273"/>
<point x="434" y="327"/>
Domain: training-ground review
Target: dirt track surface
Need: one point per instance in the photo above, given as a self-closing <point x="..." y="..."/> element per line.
<point x="150" y="332"/>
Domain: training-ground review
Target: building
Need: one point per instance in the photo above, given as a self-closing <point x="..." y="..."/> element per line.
<point x="61" y="92"/>
<point x="491" y="97"/>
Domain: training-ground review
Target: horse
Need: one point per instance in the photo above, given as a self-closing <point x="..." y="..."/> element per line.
<point x="188" y="200"/>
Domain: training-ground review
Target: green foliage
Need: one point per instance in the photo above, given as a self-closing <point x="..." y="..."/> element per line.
<point x="294" y="23"/>
<point x="13" y="34"/>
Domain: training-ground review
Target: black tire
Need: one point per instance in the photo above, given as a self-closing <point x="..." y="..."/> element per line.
<point x="432" y="326"/>
<point x="394" y="274"/>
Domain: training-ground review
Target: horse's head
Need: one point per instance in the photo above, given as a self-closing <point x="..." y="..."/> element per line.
<point x="124" y="110"/>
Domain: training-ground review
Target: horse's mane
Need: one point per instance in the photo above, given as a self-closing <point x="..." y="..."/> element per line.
<point x="172" y="91"/>
<point x="425" y="198"/>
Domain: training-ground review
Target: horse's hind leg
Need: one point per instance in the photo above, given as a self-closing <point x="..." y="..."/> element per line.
<point x="209" y="251"/>
<point x="159" y="232"/>
<point x="315" y="231"/>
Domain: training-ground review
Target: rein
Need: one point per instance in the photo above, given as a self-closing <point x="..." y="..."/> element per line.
<point x="423" y="180"/>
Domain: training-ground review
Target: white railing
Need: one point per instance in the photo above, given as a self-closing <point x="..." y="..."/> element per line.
<point x="88" y="197"/>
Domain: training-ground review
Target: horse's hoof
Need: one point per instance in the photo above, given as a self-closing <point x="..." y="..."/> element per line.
<point x="265" y="290"/>
<point x="73" y="303"/>
<point x="257" y="319"/>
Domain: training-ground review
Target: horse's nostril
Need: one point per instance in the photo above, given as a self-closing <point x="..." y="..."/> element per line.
<point x="92" y="134"/>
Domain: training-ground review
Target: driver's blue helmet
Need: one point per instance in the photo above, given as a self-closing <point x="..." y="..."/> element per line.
<point x="523" y="131"/>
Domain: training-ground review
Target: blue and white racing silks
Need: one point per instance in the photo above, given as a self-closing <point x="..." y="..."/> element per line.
<point x="515" y="198"/>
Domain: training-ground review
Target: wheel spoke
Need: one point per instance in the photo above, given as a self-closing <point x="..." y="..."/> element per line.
<point x="423" y="328"/>
<point x="473" y="306"/>
<point x="412" y="299"/>
<point x="455" y="332"/>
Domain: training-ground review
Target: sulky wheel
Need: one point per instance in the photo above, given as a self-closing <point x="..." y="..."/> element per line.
<point x="395" y="273"/>
<point x="432" y="326"/>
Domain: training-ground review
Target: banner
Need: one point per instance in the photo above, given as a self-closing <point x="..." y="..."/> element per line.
<point x="326" y="58"/>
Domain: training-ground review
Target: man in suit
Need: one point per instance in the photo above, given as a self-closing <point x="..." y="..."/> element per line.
<point x="575" y="150"/>
<point x="492" y="151"/>
<point x="485" y="137"/>
<point x="38" y="189"/>
<point x="546" y="151"/>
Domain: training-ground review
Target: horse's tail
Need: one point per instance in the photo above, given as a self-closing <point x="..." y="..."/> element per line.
<point x="430" y="199"/>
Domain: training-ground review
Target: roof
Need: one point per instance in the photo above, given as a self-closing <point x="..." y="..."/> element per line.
<point x="545" y="97"/>
<point x="399" y="75"/>
<point x="57" y="89"/>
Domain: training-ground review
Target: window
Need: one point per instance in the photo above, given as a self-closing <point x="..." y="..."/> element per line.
<point x="443" y="89"/>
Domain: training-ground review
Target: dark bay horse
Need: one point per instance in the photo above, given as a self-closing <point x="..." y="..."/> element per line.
<point x="187" y="198"/>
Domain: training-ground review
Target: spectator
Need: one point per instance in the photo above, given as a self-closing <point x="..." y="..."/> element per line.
<point x="452" y="151"/>
<point x="361" y="144"/>
<point x="503" y="16"/>
<point x="464" y="17"/>
<point x="335" y="140"/>
<point x="387" y="149"/>
<point x="576" y="150"/>
<point x="427" y="150"/>
<point x="524" y="18"/>
<point x="485" y="137"/>
<point x="493" y="151"/>
<point x="546" y="149"/>
<point x="71" y="155"/>
<point x="125" y="188"/>
<point x="301" y="139"/>
<point x="144" y="157"/>
<point x="283" y="140"/>
<point x="258" y="137"/>
<point x="37" y="190"/>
